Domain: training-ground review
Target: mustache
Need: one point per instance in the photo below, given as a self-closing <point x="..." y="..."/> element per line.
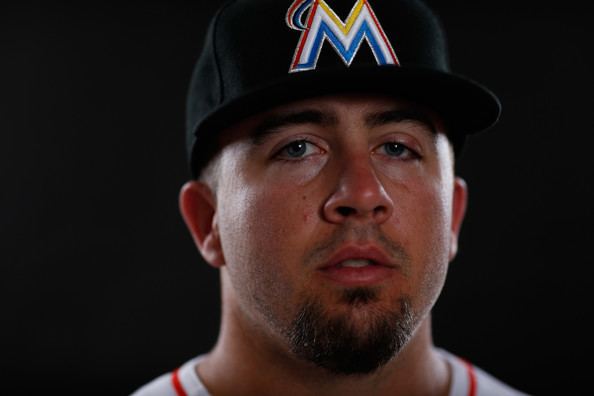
<point x="360" y="235"/>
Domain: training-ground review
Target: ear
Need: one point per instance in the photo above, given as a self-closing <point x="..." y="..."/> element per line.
<point x="459" y="202"/>
<point x="198" y="208"/>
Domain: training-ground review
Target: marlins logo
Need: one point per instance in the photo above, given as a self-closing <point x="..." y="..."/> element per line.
<point x="322" y="24"/>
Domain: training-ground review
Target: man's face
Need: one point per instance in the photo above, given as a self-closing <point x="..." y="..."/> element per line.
<point x="337" y="218"/>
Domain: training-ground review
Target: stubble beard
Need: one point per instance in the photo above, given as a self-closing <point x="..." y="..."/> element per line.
<point x="342" y="344"/>
<point x="358" y="338"/>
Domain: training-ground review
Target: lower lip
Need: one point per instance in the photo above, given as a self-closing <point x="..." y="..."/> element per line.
<point x="358" y="276"/>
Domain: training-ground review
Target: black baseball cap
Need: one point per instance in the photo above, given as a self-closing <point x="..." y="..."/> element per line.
<point x="259" y="54"/>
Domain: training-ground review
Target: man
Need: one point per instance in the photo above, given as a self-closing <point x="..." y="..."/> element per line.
<point x="322" y="138"/>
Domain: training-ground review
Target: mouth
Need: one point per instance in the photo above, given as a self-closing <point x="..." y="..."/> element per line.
<point x="355" y="263"/>
<point x="358" y="266"/>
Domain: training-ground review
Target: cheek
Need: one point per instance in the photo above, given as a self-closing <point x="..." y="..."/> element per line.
<point x="264" y="230"/>
<point x="433" y="214"/>
<point x="424" y="219"/>
<point x="279" y="212"/>
<point x="426" y="224"/>
<point x="282" y="199"/>
<point x="264" y="208"/>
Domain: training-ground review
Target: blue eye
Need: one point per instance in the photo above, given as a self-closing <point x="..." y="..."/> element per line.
<point x="399" y="150"/>
<point x="297" y="149"/>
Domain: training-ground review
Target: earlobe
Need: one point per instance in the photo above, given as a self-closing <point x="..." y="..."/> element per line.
<point x="198" y="208"/>
<point x="459" y="203"/>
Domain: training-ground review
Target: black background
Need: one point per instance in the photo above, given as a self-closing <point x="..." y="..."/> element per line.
<point x="102" y="289"/>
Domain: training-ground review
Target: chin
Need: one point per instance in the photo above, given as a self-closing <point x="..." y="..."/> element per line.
<point x="358" y="341"/>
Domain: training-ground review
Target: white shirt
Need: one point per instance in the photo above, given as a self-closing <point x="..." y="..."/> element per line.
<point x="467" y="380"/>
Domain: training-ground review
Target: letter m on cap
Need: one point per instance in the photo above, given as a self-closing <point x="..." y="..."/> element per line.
<point x="323" y="24"/>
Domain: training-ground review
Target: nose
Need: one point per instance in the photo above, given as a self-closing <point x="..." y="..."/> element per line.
<point x="359" y="194"/>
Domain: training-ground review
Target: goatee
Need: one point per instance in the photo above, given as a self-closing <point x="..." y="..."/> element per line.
<point x="342" y="346"/>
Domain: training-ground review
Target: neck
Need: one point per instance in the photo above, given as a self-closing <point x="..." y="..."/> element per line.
<point x="250" y="357"/>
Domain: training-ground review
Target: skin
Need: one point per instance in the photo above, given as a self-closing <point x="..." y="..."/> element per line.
<point x="281" y="209"/>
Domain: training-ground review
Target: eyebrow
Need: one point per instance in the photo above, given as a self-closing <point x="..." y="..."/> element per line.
<point x="276" y="122"/>
<point x="400" y="115"/>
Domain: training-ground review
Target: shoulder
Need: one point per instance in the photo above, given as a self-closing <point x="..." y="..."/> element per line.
<point x="161" y="386"/>
<point x="470" y="380"/>
<point x="180" y="382"/>
<point x="487" y="385"/>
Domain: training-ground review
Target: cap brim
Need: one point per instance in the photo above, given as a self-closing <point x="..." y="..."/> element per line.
<point x="465" y="105"/>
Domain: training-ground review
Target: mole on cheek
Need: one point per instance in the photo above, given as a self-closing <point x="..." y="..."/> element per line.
<point x="306" y="214"/>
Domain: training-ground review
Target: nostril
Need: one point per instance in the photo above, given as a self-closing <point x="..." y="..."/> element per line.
<point x="380" y="210"/>
<point x="345" y="211"/>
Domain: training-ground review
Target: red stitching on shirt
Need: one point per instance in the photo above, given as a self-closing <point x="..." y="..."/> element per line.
<point x="177" y="384"/>
<point x="471" y="377"/>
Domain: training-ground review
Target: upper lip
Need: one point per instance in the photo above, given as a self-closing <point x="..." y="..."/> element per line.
<point x="361" y="252"/>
